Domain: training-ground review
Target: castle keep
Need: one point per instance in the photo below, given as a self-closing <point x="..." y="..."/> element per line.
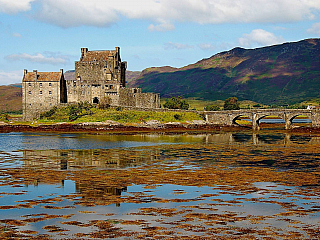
<point x="98" y="74"/>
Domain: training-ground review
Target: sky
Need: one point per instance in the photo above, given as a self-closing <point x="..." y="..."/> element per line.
<point x="47" y="35"/>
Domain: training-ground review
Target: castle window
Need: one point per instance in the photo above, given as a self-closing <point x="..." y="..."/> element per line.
<point x="40" y="84"/>
<point x="29" y="84"/>
<point x="49" y="84"/>
<point x="40" y="104"/>
<point x="40" y="92"/>
<point x="50" y="92"/>
<point x="111" y="86"/>
<point x="29" y="92"/>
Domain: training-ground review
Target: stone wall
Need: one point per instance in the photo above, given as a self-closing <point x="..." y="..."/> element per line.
<point x="132" y="97"/>
<point x="97" y="71"/>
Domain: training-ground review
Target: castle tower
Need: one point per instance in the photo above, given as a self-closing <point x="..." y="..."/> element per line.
<point x="41" y="91"/>
<point x="98" y="74"/>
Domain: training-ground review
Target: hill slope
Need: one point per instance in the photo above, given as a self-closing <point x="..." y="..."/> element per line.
<point x="10" y="99"/>
<point x="285" y="73"/>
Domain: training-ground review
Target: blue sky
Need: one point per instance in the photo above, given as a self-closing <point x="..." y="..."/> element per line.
<point x="47" y="34"/>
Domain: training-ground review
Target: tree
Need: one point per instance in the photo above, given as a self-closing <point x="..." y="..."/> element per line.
<point x="176" y="103"/>
<point x="231" y="104"/>
<point x="212" y="108"/>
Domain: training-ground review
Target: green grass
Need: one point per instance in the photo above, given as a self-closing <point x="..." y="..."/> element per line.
<point x="122" y="116"/>
<point x="199" y="105"/>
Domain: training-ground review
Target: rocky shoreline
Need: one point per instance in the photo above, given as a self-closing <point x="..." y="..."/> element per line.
<point x="115" y="127"/>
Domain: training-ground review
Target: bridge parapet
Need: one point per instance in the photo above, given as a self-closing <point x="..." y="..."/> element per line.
<point x="229" y="117"/>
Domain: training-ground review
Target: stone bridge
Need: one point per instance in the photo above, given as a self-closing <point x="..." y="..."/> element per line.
<point x="229" y="117"/>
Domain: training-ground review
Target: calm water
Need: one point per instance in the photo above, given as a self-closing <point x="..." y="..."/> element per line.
<point x="215" y="185"/>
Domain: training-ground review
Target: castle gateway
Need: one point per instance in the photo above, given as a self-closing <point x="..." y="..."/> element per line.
<point x="98" y="74"/>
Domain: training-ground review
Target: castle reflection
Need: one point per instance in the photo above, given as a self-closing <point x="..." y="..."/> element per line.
<point x="123" y="158"/>
<point x="77" y="159"/>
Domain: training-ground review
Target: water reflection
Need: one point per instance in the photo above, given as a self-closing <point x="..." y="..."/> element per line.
<point x="235" y="185"/>
<point x="77" y="159"/>
<point x="96" y="192"/>
<point x="258" y="139"/>
<point x="124" y="158"/>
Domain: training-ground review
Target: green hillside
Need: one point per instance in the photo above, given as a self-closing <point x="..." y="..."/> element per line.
<point x="280" y="74"/>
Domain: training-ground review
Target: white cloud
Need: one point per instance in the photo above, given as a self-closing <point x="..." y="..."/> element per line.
<point x="17" y="35"/>
<point x="206" y="46"/>
<point x="315" y="28"/>
<point x="10" y="77"/>
<point x="259" y="37"/>
<point x="163" y="27"/>
<point x="163" y="13"/>
<point x="48" y="58"/>
<point x="179" y="46"/>
<point x="15" y="6"/>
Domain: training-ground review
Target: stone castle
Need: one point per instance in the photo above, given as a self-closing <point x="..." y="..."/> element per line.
<point x="98" y="74"/>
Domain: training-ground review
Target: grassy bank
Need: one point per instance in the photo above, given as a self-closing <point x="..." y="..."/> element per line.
<point x="91" y="114"/>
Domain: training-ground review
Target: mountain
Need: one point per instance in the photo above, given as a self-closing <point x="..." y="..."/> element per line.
<point x="131" y="76"/>
<point x="279" y="74"/>
<point x="10" y="99"/>
<point x="69" y="75"/>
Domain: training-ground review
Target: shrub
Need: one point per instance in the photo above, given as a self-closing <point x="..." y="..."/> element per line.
<point x="212" y="108"/>
<point x="176" y="103"/>
<point x="5" y="116"/>
<point x="48" y="113"/>
<point x="119" y="108"/>
<point x="177" y="117"/>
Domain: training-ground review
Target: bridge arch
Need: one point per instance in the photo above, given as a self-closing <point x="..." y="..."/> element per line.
<point x="291" y="117"/>
<point x="258" y="116"/>
<point x="237" y="117"/>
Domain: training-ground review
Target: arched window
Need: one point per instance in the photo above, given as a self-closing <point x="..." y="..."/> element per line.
<point x="96" y="100"/>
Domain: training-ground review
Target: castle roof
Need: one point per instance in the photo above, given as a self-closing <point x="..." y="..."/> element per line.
<point x="42" y="76"/>
<point x="90" y="56"/>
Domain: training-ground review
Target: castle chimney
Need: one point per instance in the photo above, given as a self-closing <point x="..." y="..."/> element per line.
<point x="83" y="52"/>
<point x="118" y="51"/>
<point x="61" y="71"/>
<point x="25" y="72"/>
<point x="36" y="74"/>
